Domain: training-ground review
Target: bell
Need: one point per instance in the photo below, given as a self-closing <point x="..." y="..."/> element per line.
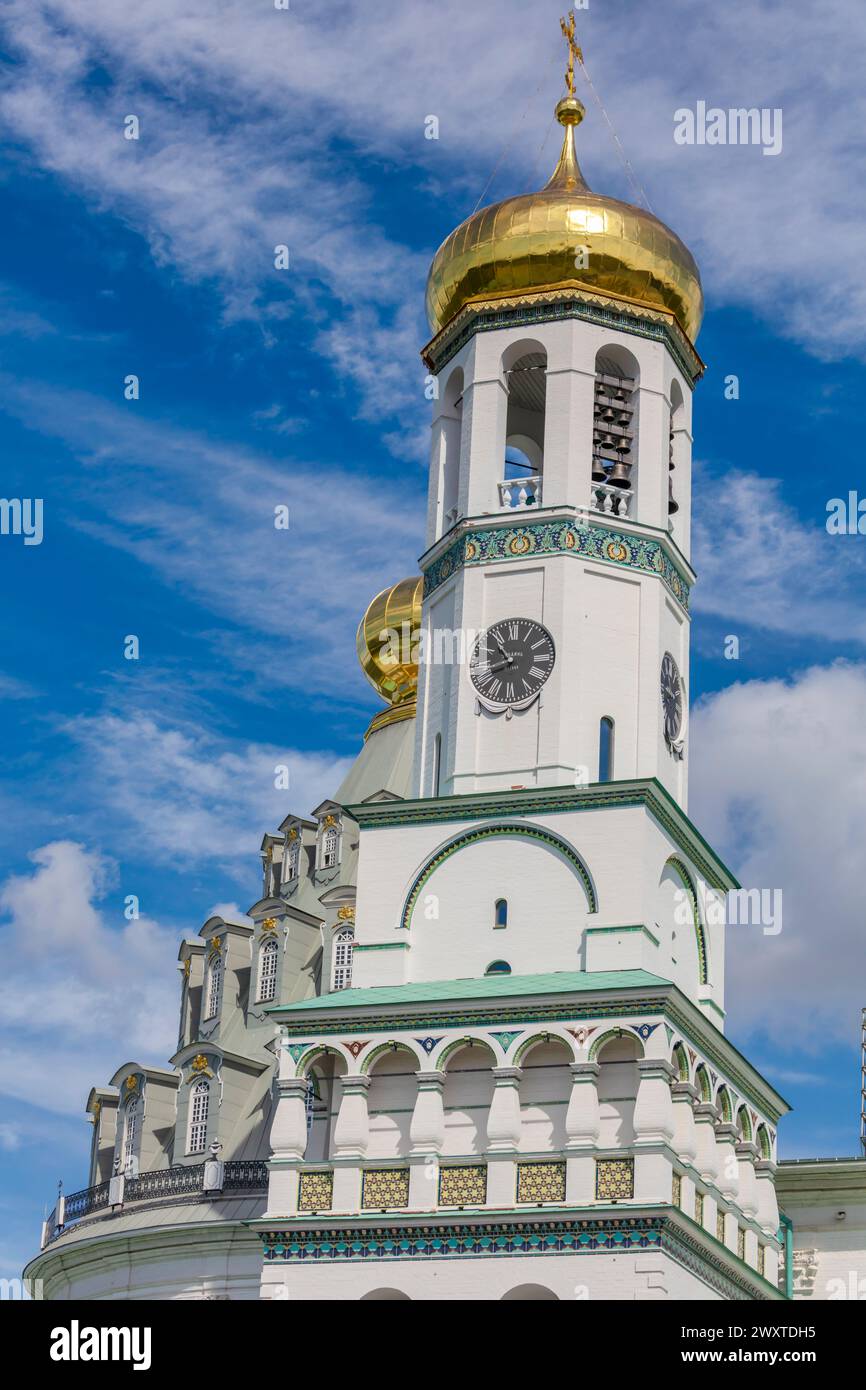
<point x="620" y="474"/>
<point x="599" y="472"/>
<point x="673" y="505"/>
<point x="624" y="444"/>
<point x="608" y="414"/>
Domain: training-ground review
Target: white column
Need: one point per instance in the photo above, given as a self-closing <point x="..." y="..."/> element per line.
<point x="653" y="1111"/>
<point x="503" y="1136"/>
<point x="582" y="1125"/>
<point x="765" y="1186"/>
<point x="747" y="1186"/>
<point x="707" y="1161"/>
<point x="288" y="1145"/>
<point x="685" y="1142"/>
<point x="729" y="1172"/>
<point x="351" y="1137"/>
<point x="482" y="462"/>
<point x="653" y="1130"/>
<point x="426" y="1135"/>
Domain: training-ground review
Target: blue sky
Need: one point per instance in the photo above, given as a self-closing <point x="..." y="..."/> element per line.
<point x="304" y="386"/>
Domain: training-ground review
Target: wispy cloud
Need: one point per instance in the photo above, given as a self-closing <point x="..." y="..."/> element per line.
<point x="778" y="787"/>
<point x="761" y="566"/>
<point x="238" y="105"/>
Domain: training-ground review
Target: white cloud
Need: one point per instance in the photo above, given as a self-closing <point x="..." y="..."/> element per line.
<point x="204" y="523"/>
<point x="749" y="542"/>
<point x="180" y="794"/>
<point x="78" y="988"/>
<point x="250" y="116"/>
<point x="778" y="777"/>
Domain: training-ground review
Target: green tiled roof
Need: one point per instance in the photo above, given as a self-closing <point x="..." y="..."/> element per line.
<point x="487" y="987"/>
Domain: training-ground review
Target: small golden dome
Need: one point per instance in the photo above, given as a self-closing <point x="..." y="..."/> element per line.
<point x="387" y="641"/>
<point x="539" y="241"/>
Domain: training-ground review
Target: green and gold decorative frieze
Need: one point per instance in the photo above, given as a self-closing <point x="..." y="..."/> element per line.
<point x="677" y="1190"/>
<point x="614" y="1179"/>
<point x="699" y="1208"/>
<point x="541" y="1182"/>
<point x="720" y="1226"/>
<point x="385" y="1187"/>
<point x="463" y="1187"/>
<point x="741" y="1242"/>
<point x="486" y="544"/>
<point x="316" y="1191"/>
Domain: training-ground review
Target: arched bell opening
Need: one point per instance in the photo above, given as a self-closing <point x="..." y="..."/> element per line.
<point x="614" y="432"/>
<point x="525" y="371"/>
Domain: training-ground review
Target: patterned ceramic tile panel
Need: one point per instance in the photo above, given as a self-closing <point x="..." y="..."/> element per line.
<point x="316" y="1192"/>
<point x="699" y="1208"/>
<point x="614" y="1179"/>
<point x="677" y="1190"/>
<point x="386" y="1187"/>
<point x="762" y="1256"/>
<point x="720" y="1226"/>
<point x="463" y="1187"/>
<point x="741" y="1242"/>
<point x="541" y="1182"/>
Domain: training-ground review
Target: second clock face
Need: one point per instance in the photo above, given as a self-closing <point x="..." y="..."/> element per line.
<point x="511" y="661"/>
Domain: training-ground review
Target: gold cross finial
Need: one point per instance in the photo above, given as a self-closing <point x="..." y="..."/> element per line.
<point x="574" y="50"/>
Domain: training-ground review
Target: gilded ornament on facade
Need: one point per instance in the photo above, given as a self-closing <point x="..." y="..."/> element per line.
<point x="186" y="968"/>
<point x="293" y="833"/>
<point x="346" y="914"/>
<point x="329" y="821"/>
<point x="199" y="1062"/>
<point x="131" y="1083"/>
<point x="216" y="943"/>
<point x="269" y="924"/>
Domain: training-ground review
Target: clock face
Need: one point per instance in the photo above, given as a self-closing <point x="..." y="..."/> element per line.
<point x="672" y="698"/>
<point x="511" y="661"/>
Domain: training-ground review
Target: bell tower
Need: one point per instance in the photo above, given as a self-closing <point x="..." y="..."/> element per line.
<point x="555" y="625"/>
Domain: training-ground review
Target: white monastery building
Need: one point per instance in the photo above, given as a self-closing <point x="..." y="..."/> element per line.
<point x="474" y="1045"/>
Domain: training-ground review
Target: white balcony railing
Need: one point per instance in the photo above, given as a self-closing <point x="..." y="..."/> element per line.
<point x="520" y="492"/>
<point x="614" y="501"/>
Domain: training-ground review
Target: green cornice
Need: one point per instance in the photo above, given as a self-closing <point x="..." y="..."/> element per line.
<point x="521" y="1231"/>
<point x="552" y="531"/>
<point x="552" y="305"/>
<point x="537" y="801"/>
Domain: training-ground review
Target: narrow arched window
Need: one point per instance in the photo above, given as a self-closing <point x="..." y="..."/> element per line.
<point x="437" y="763"/>
<point x="293" y="860"/>
<point x="214" y="986"/>
<point x="268" y="954"/>
<point x="199" y="1104"/>
<point x="605" y="750"/>
<point x="130" y="1134"/>
<point x="344" y="944"/>
<point x="330" y="848"/>
<point x="500" y="913"/>
<point x="498" y="967"/>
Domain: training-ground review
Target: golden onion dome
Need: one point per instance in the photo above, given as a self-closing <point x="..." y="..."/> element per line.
<point x="533" y="242"/>
<point x="387" y="641"/>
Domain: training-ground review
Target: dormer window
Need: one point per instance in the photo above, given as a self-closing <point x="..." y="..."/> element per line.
<point x="268" y="954"/>
<point x="214" y="990"/>
<point x="293" y="856"/>
<point x="199" y="1104"/>
<point x="329" y="843"/>
<point x="130" y="1135"/>
<point x="344" y="944"/>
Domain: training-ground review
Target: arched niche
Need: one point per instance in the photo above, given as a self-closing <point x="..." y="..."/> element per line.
<point x="618" y="1078"/>
<point x="545" y="1090"/>
<point x="391" y="1100"/>
<point x="467" y="1095"/>
<point x="530" y="1293"/>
